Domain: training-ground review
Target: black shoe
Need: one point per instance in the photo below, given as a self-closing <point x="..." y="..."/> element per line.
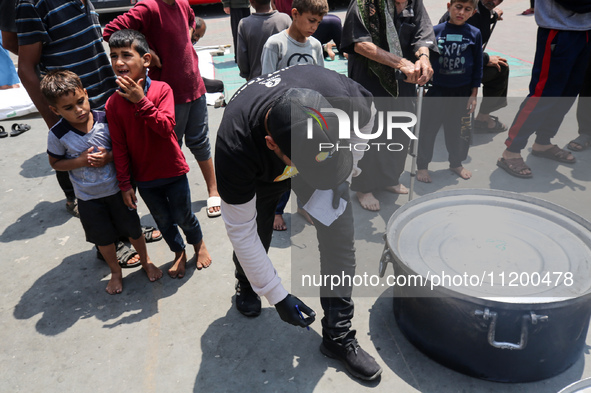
<point x="358" y="362"/>
<point x="247" y="301"/>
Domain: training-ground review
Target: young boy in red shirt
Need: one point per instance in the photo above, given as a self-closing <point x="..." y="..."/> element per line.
<point x="141" y="120"/>
<point x="167" y="26"/>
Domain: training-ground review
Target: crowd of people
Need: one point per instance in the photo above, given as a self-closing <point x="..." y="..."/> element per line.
<point x="110" y="114"/>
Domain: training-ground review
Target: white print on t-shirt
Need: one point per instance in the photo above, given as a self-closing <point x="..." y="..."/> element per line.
<point x="452" y="47"/>
<point x="271" y="82"/>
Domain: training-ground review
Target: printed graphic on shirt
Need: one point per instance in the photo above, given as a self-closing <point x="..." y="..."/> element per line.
<point x="271" y="82"/>
<point x="452" y="47"/>
<point x="288" y="172"/>
<point x="300" y="58"/>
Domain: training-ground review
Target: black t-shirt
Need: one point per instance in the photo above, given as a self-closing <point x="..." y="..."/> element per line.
<point x="242" y="158"/>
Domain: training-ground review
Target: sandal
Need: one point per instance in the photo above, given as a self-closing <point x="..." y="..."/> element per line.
<point x="18" y="129"/>
<point x="214" y="201"/>
<point x="483" y="125"/>
<point x="124" y="255"/>
<point x="72" y="208"/>
<point x="149" y="234"/>
<point x="514" y="166"/>
<point x="580" y="143"/>
<point x="555" y="153"/>
<point x="3" y="133"/>
<point x="529" y="11"/>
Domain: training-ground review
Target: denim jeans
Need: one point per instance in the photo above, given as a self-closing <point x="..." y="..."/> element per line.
<point x="170" y="206"/>
<point x="337" y="256"/>
<point x="192" y="124"/>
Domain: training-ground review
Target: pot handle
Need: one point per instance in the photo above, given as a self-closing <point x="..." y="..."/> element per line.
<point x="385" y="260"/>
<point x="492" y="315"/>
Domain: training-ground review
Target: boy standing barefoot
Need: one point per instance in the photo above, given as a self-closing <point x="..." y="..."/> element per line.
<point x="141" y="119"/>
<point x="456" y="78"/>
<point x="80" y="144"/>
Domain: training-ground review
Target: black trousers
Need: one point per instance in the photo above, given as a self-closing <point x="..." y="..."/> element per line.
<point x="337" y="256"/>
<point x="583" y="112"/>
<point x="63" y="178"/>
<point x="495" y="85"/>
<point x="236" y="14"/>
<point x="443" y="106"/>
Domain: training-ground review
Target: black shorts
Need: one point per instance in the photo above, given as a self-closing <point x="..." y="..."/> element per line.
<point x="106" y="219"/>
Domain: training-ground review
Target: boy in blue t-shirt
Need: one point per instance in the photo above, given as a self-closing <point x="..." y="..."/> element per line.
<point x="457" y="76"/>
<point x="81" y="145"/>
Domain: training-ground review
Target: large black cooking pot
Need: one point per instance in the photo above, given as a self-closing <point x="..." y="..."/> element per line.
<point x="517" y="304"/>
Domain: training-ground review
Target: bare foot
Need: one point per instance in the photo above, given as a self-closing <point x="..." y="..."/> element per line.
<point x="153" y="272"/>
<point x="423" y="175"/>
<point x="306" y="215"/>
<point x="115" y="285"/>
<point x="203" y="257"/>
<point x="279" y="223"/>
<point x="368" y="201"/>
<point x="462" y="172"/>
<point x="178" y="268"/>
<point x="397" y="189"/>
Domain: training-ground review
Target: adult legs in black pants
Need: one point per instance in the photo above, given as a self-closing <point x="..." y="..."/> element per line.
<point x="63" y="178"/>
<point x="583" y="141"/>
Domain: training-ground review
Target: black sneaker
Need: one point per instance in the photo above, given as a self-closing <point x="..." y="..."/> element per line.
<point x="247" y="301"/>
<point x="358" y="362"/>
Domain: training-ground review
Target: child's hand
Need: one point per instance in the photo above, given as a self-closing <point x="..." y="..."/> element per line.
<point x="471" y="107"/>
<point x="129" y="89"/>
<point x="84" y="157"/>
<point x="129" y="199"/>
<point x="100" y="158"/>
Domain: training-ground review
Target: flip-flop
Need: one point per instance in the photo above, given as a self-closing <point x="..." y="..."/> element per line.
<point x="555" y="153"/>
<point x="18" y="129"/>
<point x="214" y="201"/>
<point x="514" y="166"/>
<point x="583" y="140"/>
<point x="3" y="133"/>
<point x="149" y="234"/>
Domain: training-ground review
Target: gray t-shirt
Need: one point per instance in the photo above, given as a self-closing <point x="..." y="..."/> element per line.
<point x="64" y="141"/>
<point x="551" y="15"/>
<point x="253" y="32"/>
<point x="282" y="51"/>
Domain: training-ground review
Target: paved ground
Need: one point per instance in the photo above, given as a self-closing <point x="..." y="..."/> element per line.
<point x="62" y="333"/>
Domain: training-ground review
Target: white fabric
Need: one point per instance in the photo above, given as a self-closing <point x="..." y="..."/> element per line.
<point x="15" y="103"/>
<point x="207" y="70"/>
<point x="241" y="226"/>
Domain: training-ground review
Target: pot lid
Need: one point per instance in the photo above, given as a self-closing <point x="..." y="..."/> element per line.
<point x="582" y="386"/>
<point x="494" y="245"/>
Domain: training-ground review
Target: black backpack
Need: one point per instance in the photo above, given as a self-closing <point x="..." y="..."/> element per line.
<point x="578" y="6"/>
